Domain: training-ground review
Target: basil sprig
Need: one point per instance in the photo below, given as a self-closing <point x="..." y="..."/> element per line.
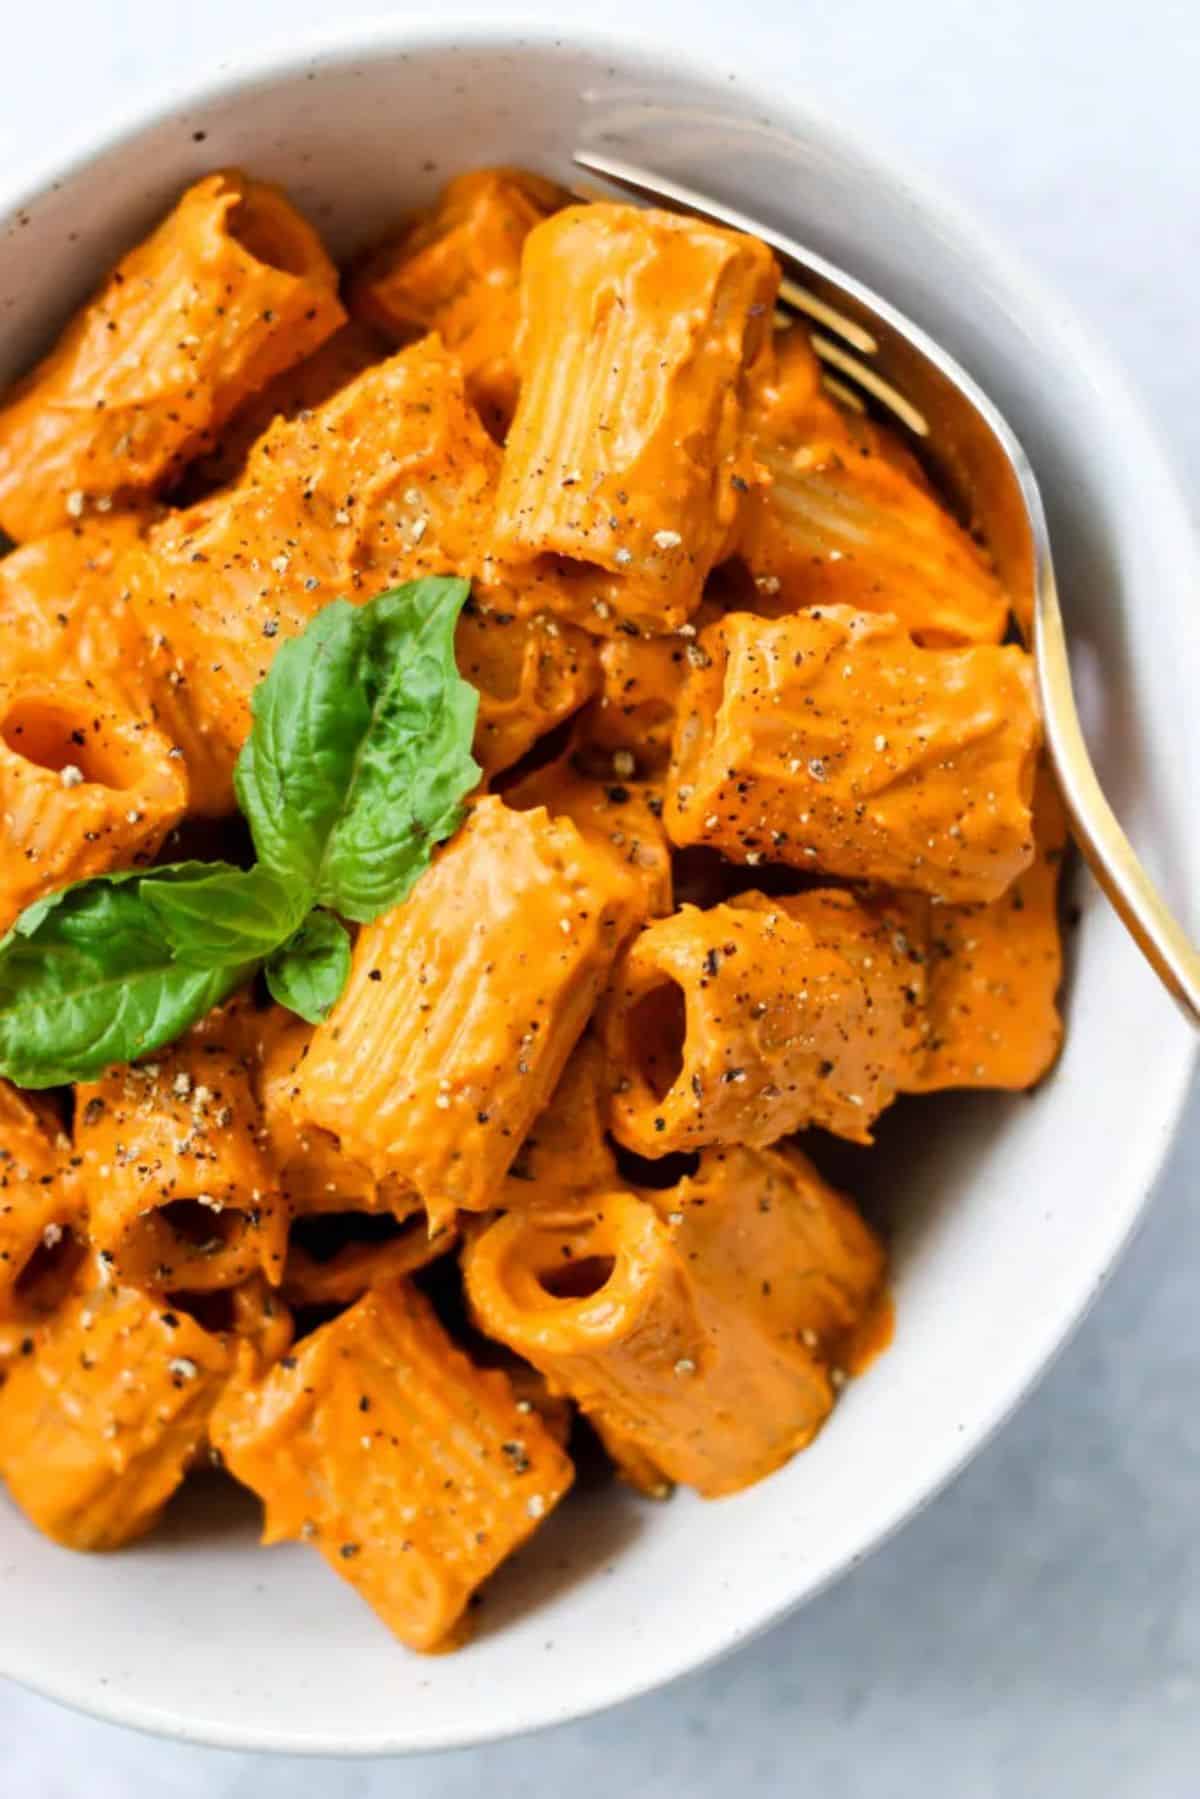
<point x="356" y="767"/>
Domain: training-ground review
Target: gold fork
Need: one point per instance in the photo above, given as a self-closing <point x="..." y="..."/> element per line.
<point x="869" y="349"/>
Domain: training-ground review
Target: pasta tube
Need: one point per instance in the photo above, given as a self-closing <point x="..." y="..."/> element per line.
<point x="231" y="288"/>
<point x="464" y="1003"/>
<point x="786" y="400"/>
<point x="829" y="741"/>
<point x="85" y="786"/>
<point x="749" y="1211"/>
<point x="102" y="1419"/>
<point x="532" y="1394"/>
<point x="66" y="615"/>
<point x="994" y="973"/>
<point x="758" y="1018"/>
<point x="835" y="523"/>
<point x="662" y="1317"/>
<point x="456" y="271"/>
<point x="626" y="456"/>
<point x="181" y="1195"/>
<point x="412" y="1471"/>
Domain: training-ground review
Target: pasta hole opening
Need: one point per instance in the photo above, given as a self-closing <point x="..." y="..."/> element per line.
<point x="215" y="1312"/>
<point x="656" y="1031"/>
<point x="196" y="839"/>
<point x="658" y="1174"/>
<point x="705" y="878"/>
<point x="202" y="1229"/>
<point x="547" y="749"/>
<point x="310" y="1316"/>
<point x="325" y="1234"/>
<point x="48" y="1274"/>
<point x="57" y="738"/>
<point x="265" y="227"/>
<point x="588" y="582"/>
<point x="580" y="1278"/>
<point x="55" y="1107"/>
<point x="732" y="587"/>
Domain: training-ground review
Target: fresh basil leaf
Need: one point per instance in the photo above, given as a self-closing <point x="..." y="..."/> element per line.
<point x="213" y="914"/>
<point x="26" y="923"/>
<point x="360" y="752"/>
<point x="307" y="975"/>
<point x="310" y="713"/>
<point x="88" y="978"/>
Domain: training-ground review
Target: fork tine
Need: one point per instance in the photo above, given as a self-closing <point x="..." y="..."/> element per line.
<point x="873" y="383"/>
<point x="804" y="300"/>
<point x="843" y="393"/>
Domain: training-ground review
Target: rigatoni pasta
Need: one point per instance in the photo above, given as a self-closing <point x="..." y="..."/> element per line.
<point x="182" y="1196"/>
<point x="315" y="1175"/>
<point x="626" y="457"/>
<point x="653" y="1314"/>
<point x="351" y="350"/>
<point x="633" y="775"/>
<point x="566" y="1155"/>
<point x="48" y="589"/>
<point x="641" y="681"/>
<point x="464" y="1004"/>
<point x="994" y="972"/>
<point x="621" y="817"/>
<point x="746" y="1210"/>
<point x="757" y="1018"/>
<point x="829" y="740"/>
<point x="532" y="674"/>
<point x="66" y="617"/>
<point x="232" y="287"/>
<point x="412" y="1472"/>
<point x="836" y="523"/>
<point x="99" y="1424"/>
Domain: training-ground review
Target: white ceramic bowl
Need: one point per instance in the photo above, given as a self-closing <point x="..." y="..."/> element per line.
<point x="1008" y="1215"/>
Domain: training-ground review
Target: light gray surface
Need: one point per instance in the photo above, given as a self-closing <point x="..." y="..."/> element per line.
<point x="1036" y="1633"/>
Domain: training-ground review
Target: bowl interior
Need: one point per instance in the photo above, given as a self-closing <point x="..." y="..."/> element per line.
<point x="1006" y="1214"/>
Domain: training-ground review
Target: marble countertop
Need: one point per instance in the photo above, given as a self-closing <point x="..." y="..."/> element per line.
<point x="1035" y="1634"/>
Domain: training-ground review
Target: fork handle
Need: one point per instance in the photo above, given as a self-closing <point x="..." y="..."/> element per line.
<point x="1106" y="849"/>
